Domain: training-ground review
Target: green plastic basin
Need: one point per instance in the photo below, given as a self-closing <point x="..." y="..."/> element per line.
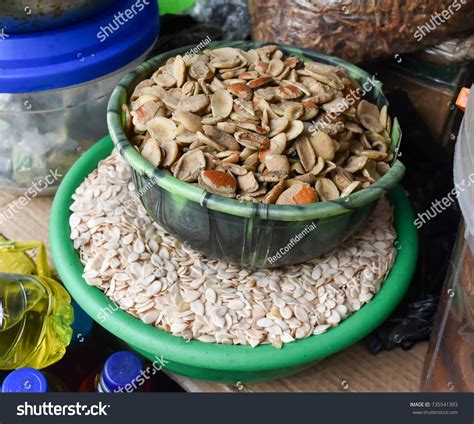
<point x="224" y="363"/>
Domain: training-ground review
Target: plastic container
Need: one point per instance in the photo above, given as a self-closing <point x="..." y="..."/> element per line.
<point x="27" y="16"/>
<point x="247" y="233"/>
<point x="218" y="362"/>
<point x="120" y="373"/>
<point x="360" y="30"/>
<point x="449" y="365"/>
<point x="35" y="319"/>
<point x="54" y="87"/>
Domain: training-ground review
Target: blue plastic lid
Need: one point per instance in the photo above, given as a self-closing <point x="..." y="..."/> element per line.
<point x="75" y="54"/>
<point x="25" y="380"/>
<point x="82" y="325"/>
<point x="120" y="369"/>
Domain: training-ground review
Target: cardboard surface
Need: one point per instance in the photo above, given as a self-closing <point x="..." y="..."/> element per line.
<point x="352" y="370"/>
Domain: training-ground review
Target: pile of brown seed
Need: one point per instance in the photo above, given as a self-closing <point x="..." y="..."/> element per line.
<point x="260" y="127"/>
<point x="148" y="273"/>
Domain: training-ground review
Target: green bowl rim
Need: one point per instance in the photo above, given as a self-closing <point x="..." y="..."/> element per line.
<point x="222" y="204"/>
<point x="224" y="357"/>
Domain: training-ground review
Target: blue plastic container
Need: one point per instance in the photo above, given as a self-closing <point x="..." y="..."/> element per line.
<point x="54" y="88"/>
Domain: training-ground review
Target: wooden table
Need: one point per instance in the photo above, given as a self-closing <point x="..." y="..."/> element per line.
<point x="354" y="369"/>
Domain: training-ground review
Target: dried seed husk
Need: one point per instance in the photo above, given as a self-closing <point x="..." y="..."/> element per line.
<point x="297" y="194"/>
<point x="354" y="186"/>
<point x="248" y="75"/>
<point x="341" y="178"/>
<point x="216" y="85"/>
<point x="267" y="94"/>
<point x="383" y="116"/>
<point x="323" y="145"/>
<point x="190" y="165"/>
<point x="245" y="109"/>
<point x="353" y="127"/>
<point x="210" y="142"/>
<point x="221" y="104"/>
<point x="326" y="189"/>
<point x="194" y="103"/>
<point x="275" y="67"/>
<point x="305" y="152"/>
<point x="369" y="116"/>
<point x="248" y="183"/>
<point x="162" y="129"/>
<point x="137" y="92"/>
<point x="272" y="196"/>
<point x="306" y="178"/>
<point x="293" y="111"/>
<point x="336" y="106"/>
<point x="297" y="167"/>
<point x="172" y="98"/>
<point x="228" y="127"/>
<point x="186" y="139"/>
<point x="374" y="154"/>
<point x="328" y="167"/>
<point x="164" y="80"/>
<point x="179" y="70"/>
<point x="252" y="140"/>
<point x="237" y="170"/>
<point x="271" y="177"/>
<point x="223" y="138"/>
<point x="251" y="162"/>
<point x="310" y="110"/>
<point x="319" y="167"/>
<point x="288" y="92"/>
<point x="152" y="152"/>
<point x="382" y="167"/>
<point x="199" y="70"/>
<point x="232" y="158"/>
<point x="218" y="182"/>
<point x="170" y="151"/>
<point x="250" y="126"/>
<point x="260" y="81"/>
<point x="144" y="113"/>
<point x="278" y="126"/>
<point x="189" y="120"/>
<point x="241" y="90"/>
<point x="294" y="129"/>
<point x="277" y="163"/>
<point x="356" y="163"/>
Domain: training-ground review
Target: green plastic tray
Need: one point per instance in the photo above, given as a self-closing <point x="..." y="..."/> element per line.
<point x="224" y="363"/>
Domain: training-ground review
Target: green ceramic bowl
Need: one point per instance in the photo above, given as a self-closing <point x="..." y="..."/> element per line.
<point x="223" y="362"/>
<point x="242" y="232"/>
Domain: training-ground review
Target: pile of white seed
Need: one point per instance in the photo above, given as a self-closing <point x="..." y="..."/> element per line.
<point x="151" y="275"/>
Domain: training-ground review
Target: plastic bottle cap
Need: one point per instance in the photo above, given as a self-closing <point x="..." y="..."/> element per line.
<point x="25" y="380"/>
<point x="120" y="369"/>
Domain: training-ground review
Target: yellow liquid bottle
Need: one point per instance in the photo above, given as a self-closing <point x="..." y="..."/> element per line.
<point x="35" y="321"/>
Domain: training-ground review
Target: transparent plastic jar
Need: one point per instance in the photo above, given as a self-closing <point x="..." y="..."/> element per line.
<point x="43" y="133"/>
<point x="54" y="89"/>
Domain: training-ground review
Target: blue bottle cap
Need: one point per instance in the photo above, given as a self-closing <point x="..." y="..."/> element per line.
<point x="78" y="53"/>
<point x="82" y="325"/>
<point x="25" y="380"/>
<point x="120" y="369"/>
